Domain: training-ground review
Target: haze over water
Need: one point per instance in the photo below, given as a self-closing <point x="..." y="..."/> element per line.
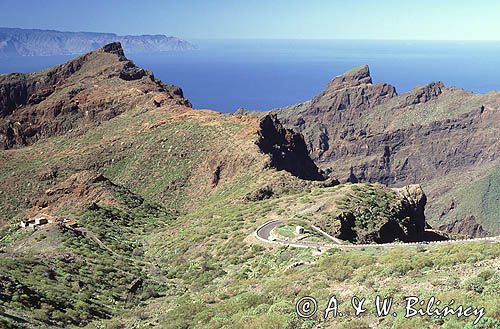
<point x="225" y="75"/>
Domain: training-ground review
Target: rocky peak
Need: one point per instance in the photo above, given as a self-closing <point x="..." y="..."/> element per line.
<point x="114" y="48"/>
<point x="346" y="99"/>
<point x="421" y="94"/>
<point x="352" y="90"/>
<point x="352" y="78"/>
<point x="76" y="95"/>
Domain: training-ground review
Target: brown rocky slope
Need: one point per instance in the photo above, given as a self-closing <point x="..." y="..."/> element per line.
<point x="76" y="95"/>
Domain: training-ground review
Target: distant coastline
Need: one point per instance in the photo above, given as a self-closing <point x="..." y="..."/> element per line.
<point x="35" y="42"/>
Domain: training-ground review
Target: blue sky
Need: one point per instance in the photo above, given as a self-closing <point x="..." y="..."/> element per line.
<point x="288" y="19"/>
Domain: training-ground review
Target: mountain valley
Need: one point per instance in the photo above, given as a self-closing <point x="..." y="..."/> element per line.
<point x="151" y="207"/>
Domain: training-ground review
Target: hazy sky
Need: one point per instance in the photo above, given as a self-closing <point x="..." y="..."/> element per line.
<point x="289" y="19"/>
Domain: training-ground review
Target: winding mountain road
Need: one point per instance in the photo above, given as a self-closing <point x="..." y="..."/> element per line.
<point x="263" y="233"/>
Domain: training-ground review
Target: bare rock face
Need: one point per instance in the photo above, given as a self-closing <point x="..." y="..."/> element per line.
<point x="355" y="77"/>
<point x="467" y="227"/>
<point x="349" y="94"/>
<point x="367" y="132"/>
<point x="286" y="149"/>
<point x="410" y="211"/>
<point x="76" y="95"/>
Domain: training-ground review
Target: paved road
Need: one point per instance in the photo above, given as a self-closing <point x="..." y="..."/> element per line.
<point x="263" y="233"/>
<point x="265" y="230"/>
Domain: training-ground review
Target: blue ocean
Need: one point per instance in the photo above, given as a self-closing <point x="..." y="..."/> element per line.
<point x="225" y="75"/>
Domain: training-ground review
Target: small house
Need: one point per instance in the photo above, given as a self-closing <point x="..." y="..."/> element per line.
<point x="38" y="220"/>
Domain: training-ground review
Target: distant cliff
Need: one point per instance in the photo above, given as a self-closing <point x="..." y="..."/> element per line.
<point x="23" y="42"/>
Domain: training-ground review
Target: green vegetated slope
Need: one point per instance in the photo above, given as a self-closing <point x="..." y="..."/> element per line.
<point x="235" y="283"/>
<point x="58" y="277"/>
<point x="155" y="154"/>
<point x="122" y="181"/>
<point x="478" y="197"/>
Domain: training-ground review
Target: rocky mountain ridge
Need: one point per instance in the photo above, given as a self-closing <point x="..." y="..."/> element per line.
<point x="365" y="132"/>
<point x="76" y="98"/>
<point x="76" y="95"/>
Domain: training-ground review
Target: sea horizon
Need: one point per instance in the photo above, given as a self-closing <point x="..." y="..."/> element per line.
<point x="272" y="73"/>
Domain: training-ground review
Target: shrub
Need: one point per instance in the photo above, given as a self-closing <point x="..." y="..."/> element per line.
<point x="475" y="284"/>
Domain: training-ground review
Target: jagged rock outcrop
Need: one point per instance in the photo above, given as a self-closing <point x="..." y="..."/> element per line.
<point x="413" y="201"/>
<point x="377" y="214"/>
<point x="353" y="90"/>
<point x="421" y="94"/>
<point x="28" y="42"/>
<point x="286" y="149"/>
<point x="467" y="227"/>
<point x="77" y="95"/>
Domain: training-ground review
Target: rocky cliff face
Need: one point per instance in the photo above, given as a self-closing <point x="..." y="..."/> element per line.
<point x="365" y="132"/>
<point x="24" y="42"/>
<point x="77" y="95"/>
<point x="286" y="149"/>
<point x="421" y="95"/>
